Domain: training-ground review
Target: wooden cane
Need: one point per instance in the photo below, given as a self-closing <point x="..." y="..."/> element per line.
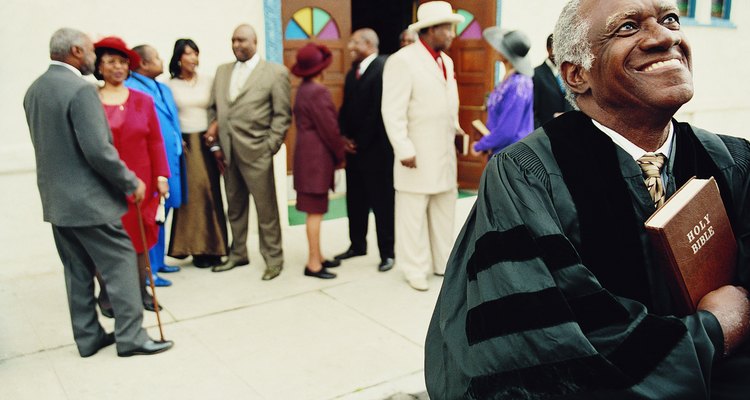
<point x="148" y="267"/>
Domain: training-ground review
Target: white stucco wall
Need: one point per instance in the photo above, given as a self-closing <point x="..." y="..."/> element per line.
<point x="28" y="24"/>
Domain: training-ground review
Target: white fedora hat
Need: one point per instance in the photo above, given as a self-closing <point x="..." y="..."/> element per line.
<point x="435" y="13"/>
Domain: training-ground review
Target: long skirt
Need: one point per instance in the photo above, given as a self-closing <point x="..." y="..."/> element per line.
<point x="199" y="226"/>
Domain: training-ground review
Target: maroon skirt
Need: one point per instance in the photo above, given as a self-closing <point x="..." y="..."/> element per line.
<point x="312" y="203"/>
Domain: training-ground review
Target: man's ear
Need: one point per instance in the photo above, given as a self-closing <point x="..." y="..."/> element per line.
<point x="576" y="77"/>
<point x="76" y="51"/>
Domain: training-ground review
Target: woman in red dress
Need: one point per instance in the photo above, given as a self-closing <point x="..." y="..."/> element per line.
<point x="318" y="150"/>
<point x="137" y="137"/>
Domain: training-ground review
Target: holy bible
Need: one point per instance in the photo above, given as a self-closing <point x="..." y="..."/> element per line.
<point x="480" y="127"/>
<point x="462" y="143"/>
<point x="693" y="240"/>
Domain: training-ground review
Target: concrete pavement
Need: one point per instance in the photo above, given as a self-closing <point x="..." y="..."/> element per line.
<point x="358" y="337"/>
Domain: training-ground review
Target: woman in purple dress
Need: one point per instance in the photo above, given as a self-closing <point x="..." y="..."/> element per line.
<point x="318" y="150"/>
<point x="510" y="107"/>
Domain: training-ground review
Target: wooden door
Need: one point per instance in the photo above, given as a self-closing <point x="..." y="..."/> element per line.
<point x="474" y="61"/>
<point x="326" y="22"/>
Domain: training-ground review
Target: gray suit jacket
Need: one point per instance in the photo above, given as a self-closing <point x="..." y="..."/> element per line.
<point x="81" y="179"/>
<point x="256" y="122"/>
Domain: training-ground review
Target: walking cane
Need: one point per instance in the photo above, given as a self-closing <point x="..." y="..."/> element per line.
<point x="148" y="267"/>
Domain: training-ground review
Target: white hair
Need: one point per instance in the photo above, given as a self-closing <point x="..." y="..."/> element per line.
<point x="63" y="40"/>
<point x="370" y="36"/>
<point x="571" y="43"/>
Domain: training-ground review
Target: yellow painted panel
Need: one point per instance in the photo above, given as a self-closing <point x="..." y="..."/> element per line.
<point x="304" y="18"/>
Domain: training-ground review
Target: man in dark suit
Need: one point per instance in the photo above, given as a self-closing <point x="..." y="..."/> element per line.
<point x="83" y="183"/>
<point x="549" y="92"/>
<point x="250" y="106"/>
<point x="369" y="162"/>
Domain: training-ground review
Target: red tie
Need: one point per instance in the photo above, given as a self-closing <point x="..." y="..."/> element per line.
<point x="442" y="66"/>
<point x="357" y="74"/>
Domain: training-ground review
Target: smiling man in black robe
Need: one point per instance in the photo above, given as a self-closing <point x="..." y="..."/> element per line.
<point x="552" y="289"/>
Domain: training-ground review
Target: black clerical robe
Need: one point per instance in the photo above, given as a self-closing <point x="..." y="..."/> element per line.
<point x="552" y="290"/>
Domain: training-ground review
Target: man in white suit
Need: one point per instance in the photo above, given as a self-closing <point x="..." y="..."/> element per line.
<point x="420" y="112"/>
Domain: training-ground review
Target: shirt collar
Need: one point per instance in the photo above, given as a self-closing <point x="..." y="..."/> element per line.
<point x="68" y="66"/>
<point x="366" y="62"/>
<point x="251" y="63"/>
<point x="635" y="151"/>
<point x="433" y="53"/>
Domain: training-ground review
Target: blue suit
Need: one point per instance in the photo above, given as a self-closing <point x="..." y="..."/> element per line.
<point x="166" y="110"/>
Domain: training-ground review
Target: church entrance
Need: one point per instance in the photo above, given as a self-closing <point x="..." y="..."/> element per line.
<point x="331" y="22"/>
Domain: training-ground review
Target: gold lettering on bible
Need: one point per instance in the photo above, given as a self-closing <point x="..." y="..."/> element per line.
<point x="701" y="233"/>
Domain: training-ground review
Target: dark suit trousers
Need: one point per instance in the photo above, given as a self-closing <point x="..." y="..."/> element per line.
<point x="365" y="191"/>
<point x="106" y="248"/>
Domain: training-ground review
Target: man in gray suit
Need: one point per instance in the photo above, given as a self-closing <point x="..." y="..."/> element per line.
<point x="83" y="184"/>
<point x="250" y="106"/>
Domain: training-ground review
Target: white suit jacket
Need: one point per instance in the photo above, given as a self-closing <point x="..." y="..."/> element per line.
<point x="420" y="112"/>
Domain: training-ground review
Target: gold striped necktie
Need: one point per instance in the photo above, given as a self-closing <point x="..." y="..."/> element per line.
<point x="651" y="164"/>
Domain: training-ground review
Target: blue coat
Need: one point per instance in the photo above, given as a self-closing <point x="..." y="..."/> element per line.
<point x="166" y="110"/>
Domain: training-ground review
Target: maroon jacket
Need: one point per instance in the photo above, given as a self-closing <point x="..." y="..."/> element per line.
<point x="318" y="147"/>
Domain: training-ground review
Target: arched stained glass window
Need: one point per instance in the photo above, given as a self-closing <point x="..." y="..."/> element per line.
<point x="470" y="28"/>
<point x="311" y="22"/>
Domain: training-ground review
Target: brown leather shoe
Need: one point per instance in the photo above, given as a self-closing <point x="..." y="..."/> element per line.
<point x="272" y="272"/>
<point x="229" y="265"/>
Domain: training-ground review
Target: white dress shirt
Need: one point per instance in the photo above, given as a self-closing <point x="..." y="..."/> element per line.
<point x="68" y="66"/>
<point x="637" y="152"/>
<point x="240" y="73"/>
<point x="366" y="63"/>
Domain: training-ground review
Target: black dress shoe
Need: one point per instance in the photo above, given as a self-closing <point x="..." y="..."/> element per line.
<point x="203" y="262"/>
<point x="331" y="263"/>
<point x="322" y="274"/>
<point x="108" y="340"/>
<point x="386" y="264"/>
<point x="349" y="254"/>
<point x="148" y="348"/>
<point x="149" y="306"/>
<point x="213" y="260"/>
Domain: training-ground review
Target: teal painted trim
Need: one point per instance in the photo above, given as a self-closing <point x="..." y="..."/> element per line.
<point x="274" y="38"/>
<point x="723" y="22"/>
<point x="498" y="12"/>
<point x="727" y="10"/>
<point x="715" y="23"/>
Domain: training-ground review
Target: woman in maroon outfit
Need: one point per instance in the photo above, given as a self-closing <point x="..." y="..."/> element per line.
<point x="137" y="137"/>
<point x="318" y="150"/>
